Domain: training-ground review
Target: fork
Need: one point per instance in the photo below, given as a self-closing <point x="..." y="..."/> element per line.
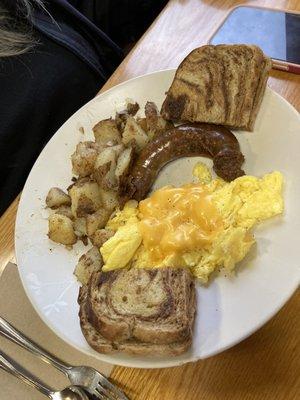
<point x="87" y="377"/>
<point x="12" y="367"/>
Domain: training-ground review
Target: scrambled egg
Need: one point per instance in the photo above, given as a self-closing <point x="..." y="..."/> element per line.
<point x="119" y="250"/>
<point x="202" y="173"/>
<point x="240" y="205"/>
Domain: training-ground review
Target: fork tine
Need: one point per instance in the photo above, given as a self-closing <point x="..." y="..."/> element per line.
<point x="105" y="383"/>
<point x="100" y="395"/>
<point x="103" y="391"/>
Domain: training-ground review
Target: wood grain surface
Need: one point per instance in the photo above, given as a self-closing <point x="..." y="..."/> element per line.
<point x="7" y="229"/>
<point x="266" y="365"/>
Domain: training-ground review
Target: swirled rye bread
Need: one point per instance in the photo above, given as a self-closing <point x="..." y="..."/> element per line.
<point x="139" y="311"/>
<point x="221" y="84"/>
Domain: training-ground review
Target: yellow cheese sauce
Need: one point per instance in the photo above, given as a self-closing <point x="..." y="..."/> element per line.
<point x="175" y="220"/>
<point x="202" y="226"/>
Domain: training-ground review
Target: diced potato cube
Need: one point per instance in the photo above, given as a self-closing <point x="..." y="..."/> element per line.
<point x="132" y="108"/>
<point x="80" y="227"/>
<point x="109" y="199"/>
<point x="124" y="162"/>
<point x="133" y="133"/>
<point x="156" y="125"/>
<point x="142" y="123"/>
<point x="101" y="236"/>
<point x="105" y="167"/>
<point x="121" y="116"/>
<point x="97" y="220"/>
<point x="85" y="197"/>
<point x="57" y="197"/>
<point x="107" y="132"/>
<point x="65" y="210"/>
<point x="61" y="229"/>
<point x="84" y="157"/>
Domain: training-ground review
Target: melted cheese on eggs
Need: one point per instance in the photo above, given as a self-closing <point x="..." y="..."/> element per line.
<point x="203" y="226"/>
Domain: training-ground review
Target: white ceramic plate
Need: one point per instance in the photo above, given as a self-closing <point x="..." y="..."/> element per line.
<point x="229" y="309"/>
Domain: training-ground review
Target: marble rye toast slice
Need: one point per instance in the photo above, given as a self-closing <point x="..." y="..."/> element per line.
<point x="139" y="311"/>
<point x="221" y="84"/>
<point x="134" y="347"/>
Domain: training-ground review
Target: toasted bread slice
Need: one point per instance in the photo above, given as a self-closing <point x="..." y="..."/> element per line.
<point x="218" y="84"/>
<point x="148" y="305"/>
<point x="102" y="345"/>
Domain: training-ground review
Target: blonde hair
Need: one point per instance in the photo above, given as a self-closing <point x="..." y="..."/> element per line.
<point x="15" y="32"/>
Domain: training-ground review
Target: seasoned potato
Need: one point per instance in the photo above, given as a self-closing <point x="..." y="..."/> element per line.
<point x="84" y="157"/>
<point x="124" y="162"/>
<point x="57" y="197"/>
<point x="109" y="199"/>
<point x="104" y="174"/>
<point x="85" y="197"/>
<point x="156" y="125"/>
<point x="80" y="227"/>
<point x="97" y="220"/>
<point x="106" y="132"/>
<point x="61" y="229"/>
<point x="65" y="210"/>
<point x="121" y="116"/>
<point x="134" y="133"/>
<point x="88" y="263"/>
<point x="132" y="108"/>
<point x="105" y="167"/>
<point x="142" y="123"/>
<point x="101" y="236"/>
<point x="118" y="149"/>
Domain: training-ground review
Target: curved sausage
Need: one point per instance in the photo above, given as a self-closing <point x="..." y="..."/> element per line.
<point x="214" y="141"/>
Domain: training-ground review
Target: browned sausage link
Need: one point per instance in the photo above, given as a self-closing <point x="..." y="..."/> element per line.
<point x="187" y="140"/>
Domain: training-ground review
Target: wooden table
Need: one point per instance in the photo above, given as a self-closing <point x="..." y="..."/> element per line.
<point x="266" y="365"/>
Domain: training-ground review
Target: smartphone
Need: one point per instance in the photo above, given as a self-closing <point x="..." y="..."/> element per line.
<point x="276" y="32"/>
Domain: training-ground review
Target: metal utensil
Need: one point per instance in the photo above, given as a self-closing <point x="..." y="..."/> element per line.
<point x="87" y="377"/>
<point x="12" y="367"/>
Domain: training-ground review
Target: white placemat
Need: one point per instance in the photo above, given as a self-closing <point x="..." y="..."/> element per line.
<point x="16" y="309"/>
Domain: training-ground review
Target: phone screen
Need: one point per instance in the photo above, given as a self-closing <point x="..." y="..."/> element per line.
<point x="277" y="33"/>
